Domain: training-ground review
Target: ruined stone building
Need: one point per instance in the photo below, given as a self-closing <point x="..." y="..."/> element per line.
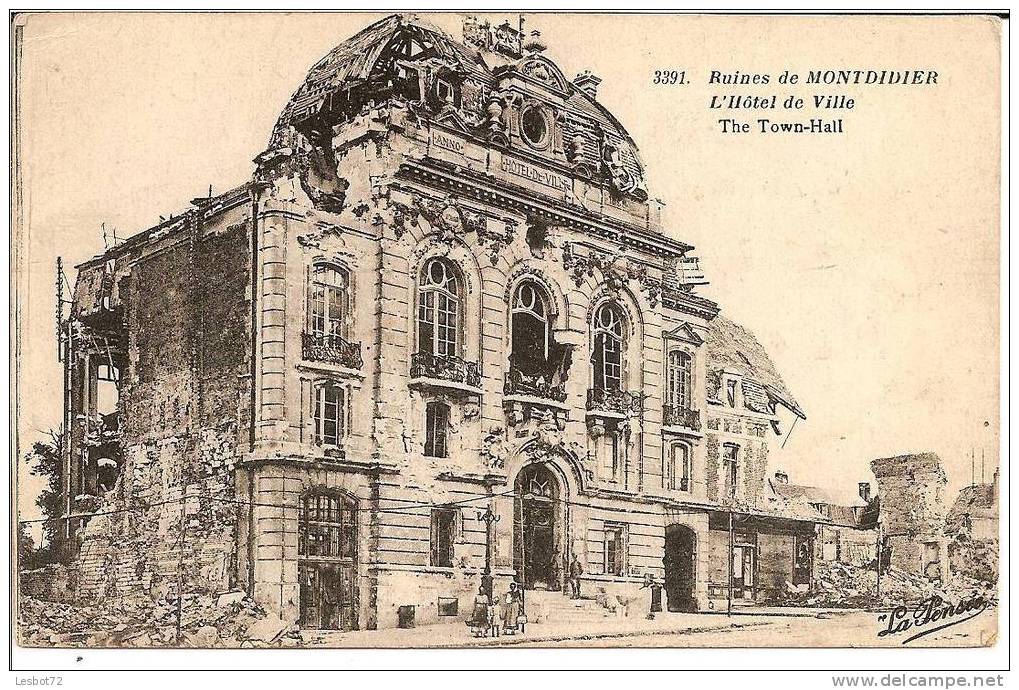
<point x="913" y="511"/>
<point x="975" y="511"/>
<point x="445" y="289"/>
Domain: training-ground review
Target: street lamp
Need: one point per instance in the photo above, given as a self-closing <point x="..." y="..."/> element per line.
<point x="489" y="518"/>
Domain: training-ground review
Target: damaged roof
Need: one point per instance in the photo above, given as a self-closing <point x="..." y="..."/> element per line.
<point x="351" y="62"/>
<point x="975" y="499"/>
<point x="733" y="348"/>
<point x="811" y="494"/>
<point x="365" y="58"/>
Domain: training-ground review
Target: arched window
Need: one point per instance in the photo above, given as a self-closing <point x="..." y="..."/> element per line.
<point x="329" y="414"/>
<point x="439" y="309"/>
<point x="679" y="468"/>
<point x="437" y="430"/>
<point x="680" y="372"/>
<point x="328" y="294"/>
<point x="608" y="347"/>
<point x="531" y="329"/>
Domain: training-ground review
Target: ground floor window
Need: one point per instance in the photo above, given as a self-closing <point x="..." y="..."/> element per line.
<point x="615" y="549"/>
<point x="326" y="527"/>
<point x="443" y="535"/>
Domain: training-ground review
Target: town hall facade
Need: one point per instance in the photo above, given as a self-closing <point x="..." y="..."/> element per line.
<point x="440" y="333"/>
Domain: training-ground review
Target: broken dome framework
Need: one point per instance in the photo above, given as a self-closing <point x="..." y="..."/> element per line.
<point x="404" y="147"/>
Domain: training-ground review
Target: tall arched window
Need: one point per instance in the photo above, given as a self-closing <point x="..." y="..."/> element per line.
<point x="680" y="372"/>
<point x="439" y="309"/>
<point x="531" y="329"/>
<point x="608" y="347"/>
<point x="328" y="296"/>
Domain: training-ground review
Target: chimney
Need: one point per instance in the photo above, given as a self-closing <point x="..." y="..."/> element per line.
<point x="781" y="477"/>
<point x="588" y="83"/>
<point x="865" y="491"/>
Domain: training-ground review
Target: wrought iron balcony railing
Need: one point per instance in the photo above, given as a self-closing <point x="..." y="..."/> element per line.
<point x="685" y="417"/>
<point x="537" y="385"/>
<point x="326" y="347"/>
<point x="445" y="368"/>
<point x="615" y="401"/>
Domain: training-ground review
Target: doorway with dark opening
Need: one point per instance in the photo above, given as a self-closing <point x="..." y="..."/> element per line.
<point x="680" y="568"/>
<point x="538" y="532"/>
<point x="327" y="562"/>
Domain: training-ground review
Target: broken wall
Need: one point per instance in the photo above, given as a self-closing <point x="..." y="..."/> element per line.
<point x="170" y="519"/>
<point x="913" y="511"/>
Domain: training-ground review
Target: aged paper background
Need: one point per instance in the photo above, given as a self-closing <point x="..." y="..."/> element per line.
<point x="867" y="262"/>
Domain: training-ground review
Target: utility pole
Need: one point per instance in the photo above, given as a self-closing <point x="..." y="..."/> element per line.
<point x="732" y="552"/>
<point x="879" y="557"/>
<point x="489" y="518"/>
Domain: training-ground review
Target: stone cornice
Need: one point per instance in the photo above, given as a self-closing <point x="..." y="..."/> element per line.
<point x="486" y="188"/>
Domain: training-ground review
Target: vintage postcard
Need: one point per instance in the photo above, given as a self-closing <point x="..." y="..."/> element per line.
<point x="461" y="330"/>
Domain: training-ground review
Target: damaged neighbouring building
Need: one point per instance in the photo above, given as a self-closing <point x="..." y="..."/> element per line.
<point x="912" y="493"/>
<point x="442" y="331"/>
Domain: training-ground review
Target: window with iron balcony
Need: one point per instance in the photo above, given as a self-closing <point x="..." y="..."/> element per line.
<point x="678" y="410"/>
<point x="606" y="395"/>
<point x="328" y="313"/>
<point x="538" y="365"/>
<point x="439" y="323"/>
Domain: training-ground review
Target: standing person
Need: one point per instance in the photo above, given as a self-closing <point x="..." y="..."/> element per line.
<point x="511" y="610"/>
<point x="576" y="570"/>
<point x="479" y="615"/>
<point x="493" y="617"/>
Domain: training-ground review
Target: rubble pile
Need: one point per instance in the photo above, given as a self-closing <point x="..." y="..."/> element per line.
<point x="227" y="620"/>
<point x="978" y="558"/>
<point x="841" y="585"/>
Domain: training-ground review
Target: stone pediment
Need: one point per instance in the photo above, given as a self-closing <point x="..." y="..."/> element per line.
<point x="685" y="333"/>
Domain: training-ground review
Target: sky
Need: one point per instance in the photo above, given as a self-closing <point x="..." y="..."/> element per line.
<point x="866" y="263"/>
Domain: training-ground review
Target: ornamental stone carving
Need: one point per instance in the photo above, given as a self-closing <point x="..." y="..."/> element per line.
<point x="616" y="271"/>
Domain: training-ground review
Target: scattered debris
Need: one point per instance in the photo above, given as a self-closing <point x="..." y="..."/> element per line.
<point x="977" y="558"/>
<point x="230" y="598"/>
<point x="206" y="621"/>
<point x="840" y="585"/>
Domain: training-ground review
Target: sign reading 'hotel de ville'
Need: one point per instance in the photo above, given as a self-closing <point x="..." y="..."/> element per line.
<point x="471" y="330"/>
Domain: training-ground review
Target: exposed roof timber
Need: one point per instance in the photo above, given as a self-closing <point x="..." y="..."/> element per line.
<point x="209" y="208"/>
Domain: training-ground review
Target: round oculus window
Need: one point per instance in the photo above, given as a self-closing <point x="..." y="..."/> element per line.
<point x="534" y="127"/>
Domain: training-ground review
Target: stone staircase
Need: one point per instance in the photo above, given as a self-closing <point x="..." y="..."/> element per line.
<point x="553" y="607"/>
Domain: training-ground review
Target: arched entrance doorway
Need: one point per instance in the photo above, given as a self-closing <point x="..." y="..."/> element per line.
<point x="538" y="528"/>
<point x="680" y="567"/>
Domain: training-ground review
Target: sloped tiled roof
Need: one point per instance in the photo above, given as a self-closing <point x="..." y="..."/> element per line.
<point x="811" y="494"/>
<point x="791" y="506"/>
<point x="733" y="348"/>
